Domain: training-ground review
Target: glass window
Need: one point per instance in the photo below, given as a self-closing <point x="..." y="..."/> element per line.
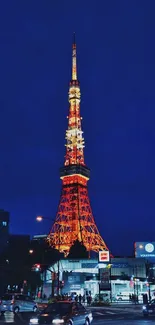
<point x="81" y="308"/>
<point x="19" y="297"/>
<point x="7" y="297"/>
<point x="27" y="298"/>
<point x="58" y="307"/>
<point x="74" y="308"/>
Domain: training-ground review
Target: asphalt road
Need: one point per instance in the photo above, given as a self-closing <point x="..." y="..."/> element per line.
<point x="124" y="322"/>
<point x="102" y="316"/>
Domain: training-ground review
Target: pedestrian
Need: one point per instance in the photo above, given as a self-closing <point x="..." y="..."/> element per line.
<point x="87" y="300"/>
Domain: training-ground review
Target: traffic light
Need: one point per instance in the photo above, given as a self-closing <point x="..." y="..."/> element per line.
<point x="36" y="267"/>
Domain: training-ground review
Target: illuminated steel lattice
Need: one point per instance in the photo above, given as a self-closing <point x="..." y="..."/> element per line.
<point x="74" y="218"/>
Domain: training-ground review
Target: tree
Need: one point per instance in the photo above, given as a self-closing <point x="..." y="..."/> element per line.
<point x="18" y="264"/>
<point x="43" y="254"/>
<point x="16" y="270"/>
<point x="78" y="250"/>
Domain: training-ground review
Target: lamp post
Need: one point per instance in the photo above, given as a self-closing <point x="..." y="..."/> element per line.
<point x="40" y="219"/>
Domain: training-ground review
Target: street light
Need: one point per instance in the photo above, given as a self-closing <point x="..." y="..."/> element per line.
<point x="39" y="219"/>
<point x="31" y="251"/>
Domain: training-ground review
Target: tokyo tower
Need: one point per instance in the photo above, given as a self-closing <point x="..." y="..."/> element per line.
<point x="74" y="219"/>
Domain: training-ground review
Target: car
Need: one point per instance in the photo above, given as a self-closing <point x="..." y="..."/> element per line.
<point x="149" y="309"/>
<point x="64" y="312"/>
<point x="122" y="296"/>
<point x="104" y="297"/>
<point x="17" y="303"/>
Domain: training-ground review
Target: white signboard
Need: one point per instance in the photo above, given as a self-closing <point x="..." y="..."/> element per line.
<point x="104" y="256"/>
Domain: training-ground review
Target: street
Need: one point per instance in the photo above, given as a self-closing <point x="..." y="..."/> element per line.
<point x="107" y="316"/>
<point x="124" y="322"/>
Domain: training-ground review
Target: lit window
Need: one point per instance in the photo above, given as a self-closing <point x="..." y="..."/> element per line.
<point x="4" y="223"/>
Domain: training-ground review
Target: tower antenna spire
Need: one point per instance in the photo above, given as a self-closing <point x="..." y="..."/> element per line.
<point x="74" y="63"/>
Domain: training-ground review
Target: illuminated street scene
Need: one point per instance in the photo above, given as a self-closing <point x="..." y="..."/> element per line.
<point x="77" y="86"/>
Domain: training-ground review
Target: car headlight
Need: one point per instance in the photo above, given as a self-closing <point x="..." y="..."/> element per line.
<point x="144" y="307"/>
<point x="58" y="321"/>
<point x="33" y="320"/>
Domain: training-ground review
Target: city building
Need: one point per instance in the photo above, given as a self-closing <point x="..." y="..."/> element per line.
<point x="74" y="219"/>
<point x="4" y="229"/>
<point x="127" y="275"/>
<point x="146" y="250"/>
<point x="17" y="240"/>
<point x="18" y="247"/>
<point x="39" y="238"/>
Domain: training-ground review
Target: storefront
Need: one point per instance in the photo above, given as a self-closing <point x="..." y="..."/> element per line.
<point x="83" y="276"/>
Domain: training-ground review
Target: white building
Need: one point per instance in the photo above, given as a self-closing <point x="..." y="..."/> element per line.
<point x="83" y="276"/>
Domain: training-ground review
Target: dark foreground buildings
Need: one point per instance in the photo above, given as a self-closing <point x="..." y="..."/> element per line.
<point x="4" y="229"/>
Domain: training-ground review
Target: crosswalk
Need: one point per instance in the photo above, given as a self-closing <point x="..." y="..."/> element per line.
<point x="115" y="312"/>
<point x="7" y="318"/>
<point x="103" y="313"/>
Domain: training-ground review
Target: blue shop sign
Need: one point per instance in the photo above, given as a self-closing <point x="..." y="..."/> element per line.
<point x="120" y="265"/>
<point x="89" y="265"/>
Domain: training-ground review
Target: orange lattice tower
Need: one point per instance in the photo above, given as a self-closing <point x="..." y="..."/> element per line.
<point x="74" y="218"/>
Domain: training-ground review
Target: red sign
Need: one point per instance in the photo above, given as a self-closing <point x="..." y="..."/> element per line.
<point x="104" y="256"/>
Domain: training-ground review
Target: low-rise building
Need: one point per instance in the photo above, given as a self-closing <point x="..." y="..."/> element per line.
<point x="87" y="276"/>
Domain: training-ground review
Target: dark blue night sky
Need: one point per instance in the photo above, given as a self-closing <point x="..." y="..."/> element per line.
<point x="116" y="69"/>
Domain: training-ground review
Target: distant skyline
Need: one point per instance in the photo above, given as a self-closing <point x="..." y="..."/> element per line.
<point x="116" y="68"/>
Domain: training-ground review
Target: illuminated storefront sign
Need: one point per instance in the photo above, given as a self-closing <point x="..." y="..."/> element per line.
<point x="89" y="265"/>
<point x="121" y="265"/>
<point x="104" y="256"/>
<point x="145" y="250"/>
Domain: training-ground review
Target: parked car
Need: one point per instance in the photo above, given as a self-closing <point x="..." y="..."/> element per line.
<point x="64" y="312"/>
<point x="149" y="309"/>
<point x="122" y="296"/>
<point x="16" y="303"/>
<point x="104" y="297"/>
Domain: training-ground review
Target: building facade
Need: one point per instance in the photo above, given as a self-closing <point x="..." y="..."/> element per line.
<point x="4" y="229"/>
<point x="84" y="276"/>
<point x="39" y="238"/>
